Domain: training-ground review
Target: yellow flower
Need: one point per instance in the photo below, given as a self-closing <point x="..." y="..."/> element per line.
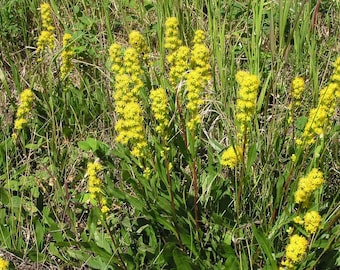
<point x="199" y="37"/>
<point x="132" y="63"/>
<point x="66" y="56"/>
<point x="295" y="250"/>
<point x="25" y="106"/>
<point x="160" y="109"/>
<point x="298" y="220"/>
<point x="312" y="221"/>
<point x="231" y="156"/>
<point x="46" y="38"/>
<point x="94" y="183"/>
<point x="298" y="85"/>
<point x="137" y="41"/>
<point x="179" y="61"/>
<point x="200" y="56"/>
<point x="195" y="86"/>
<point x="246" y="101"/>
<point x="318" y="120"/>
<point x="293" y="158"/>
<point x="115" y="57"/>
<point x="336" y="75"/>
<point x="172" y="42"/>
<point x="128" y="84"/>
<point x="45" y="11"/>
<point x="307" y="185"/>
<point x="3" y="264"/>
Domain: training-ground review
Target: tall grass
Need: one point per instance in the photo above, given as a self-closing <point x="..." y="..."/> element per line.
<point x="175" y="207"/>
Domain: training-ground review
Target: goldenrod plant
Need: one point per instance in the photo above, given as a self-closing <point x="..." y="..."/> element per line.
<point x="159" y="135"/>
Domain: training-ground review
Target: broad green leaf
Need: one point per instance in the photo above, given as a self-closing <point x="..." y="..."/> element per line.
<point x="84" y="146"/>
<point x="182" y="260"/>
<point x="266" y="247"/>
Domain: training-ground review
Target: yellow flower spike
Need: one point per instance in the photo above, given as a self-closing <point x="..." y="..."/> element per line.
<point x="66" y="56"/>
<point x="160" y="109"/>
<point x="116" y="57"/>
<point x="295" y="251"/>
<point x="246" y="101"/>
<point x="137" y="41"/>
<point x="195" y="85"/>
<point x="298" y="86"/>
<point x="128" y="84"/>
<point x="199" y="37"/>
<point x="45" y="11"/>
<point x="25" y="106"/>
<point x="3" y="264"/>
<point x="298" y="220"/>
<point x="179" y="61"/>
<point x="172" y="42"/>
<point x="132" y="63"/>
<point x="312" y="221"/>
<point x="336" y="75"/>
<point x="46" y="38"/>
<point x="318" y="120"/>
<point x="231" y="156"/>
<point x="307" y="185"/>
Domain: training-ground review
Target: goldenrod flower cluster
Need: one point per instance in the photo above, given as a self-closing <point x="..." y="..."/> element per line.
<point x="335" y="78"/>
<point x="197" y="78"/>
<point x="66" y="56"/>
<point x="131" y="63"/>
<point x="137" y="41"/>
<point x="172" y="41"/>
<point x="298" y="86"/>
<point x="307" y="185"/>
<point x="179" y="55"/>
<point x="25" y="106"/>
<point x="231" y="156"/>
<point x="3" y="264"/>
<point x="195" y="85"/>
<point x="246" y="101"/>
<point x="311" y="221"/>
<point x="95" y="184"/>
<point x="46" y="38"/>
<point x="295" y="251"/>
<point x="160" y="109"/>
<point x="128" y="85"/>
<point x="179" y="61"/>
<point x="188" y="65"/>
<point x="200" y="56"/>
<point x="245" y="109"/>
<point x="116" y="57"/>
<point x="318" y="120"/>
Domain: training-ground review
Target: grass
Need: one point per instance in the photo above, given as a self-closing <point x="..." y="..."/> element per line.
<point x="177" y="207"/>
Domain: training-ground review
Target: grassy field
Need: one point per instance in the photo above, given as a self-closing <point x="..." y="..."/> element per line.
<point x="169" y="134"/>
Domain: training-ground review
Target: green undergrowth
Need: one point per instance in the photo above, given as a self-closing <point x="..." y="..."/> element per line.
<point x="182" y="203"/>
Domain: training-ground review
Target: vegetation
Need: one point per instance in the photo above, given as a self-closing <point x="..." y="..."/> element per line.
<point x="169" y="134"/>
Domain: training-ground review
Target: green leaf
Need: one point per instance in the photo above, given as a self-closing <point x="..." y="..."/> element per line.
<point x="136" y="202"/>
<point x="252" y="153"/>
<point x="39" y="233"/>
<point x="84" y="146"/>
<point x="182" y="261"/>
<point x="4" y="196"/>
<point x="301" y="122"/>
<point x="53" y="250"/>
<point x="266" y="247"/>
<point x="232" y="263"/>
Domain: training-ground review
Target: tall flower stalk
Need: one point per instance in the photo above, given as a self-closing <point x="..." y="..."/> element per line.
<point x="128" y="85"/>
<point x="46" y="38"/>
